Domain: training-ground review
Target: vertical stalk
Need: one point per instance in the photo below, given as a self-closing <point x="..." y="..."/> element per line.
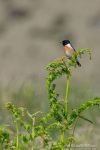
<point x="66" y="96"/>
<point x="66" y="107"/>
<point x="33" y="131"/>
<point x="62" y="137"/>
<point x="17" y="140"/>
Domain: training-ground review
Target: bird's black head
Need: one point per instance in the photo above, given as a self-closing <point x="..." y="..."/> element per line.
<point x="65" y="42"/>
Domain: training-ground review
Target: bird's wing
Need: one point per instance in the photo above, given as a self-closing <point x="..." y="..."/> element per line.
<point x="75" y="51"/>
<point x="73" y="47"/>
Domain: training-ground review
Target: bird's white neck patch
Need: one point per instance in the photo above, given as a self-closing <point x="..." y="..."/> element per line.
<point x="68" y="45"/>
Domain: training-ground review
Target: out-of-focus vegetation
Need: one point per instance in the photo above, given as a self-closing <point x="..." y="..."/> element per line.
<point x="55" y="130"/>
<point x="29" y="39"/>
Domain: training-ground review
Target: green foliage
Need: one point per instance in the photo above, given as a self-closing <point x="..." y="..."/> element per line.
<point x="37" y="134"/>
<point x="4" y="137"/>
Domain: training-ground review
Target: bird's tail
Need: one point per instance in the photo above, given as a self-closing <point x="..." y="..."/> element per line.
<point x="78" y="63"/>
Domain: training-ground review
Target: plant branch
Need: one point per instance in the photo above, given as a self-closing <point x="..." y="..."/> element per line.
<point x="66" y="96"/>
<point x="17" y="140"/>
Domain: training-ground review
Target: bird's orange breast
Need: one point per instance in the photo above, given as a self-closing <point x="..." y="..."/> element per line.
<point x="68" y="49"/>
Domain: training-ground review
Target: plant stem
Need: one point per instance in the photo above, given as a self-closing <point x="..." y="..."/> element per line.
<point x="17" y="140"/>
<point x="62" y="137"/>
<point x="66" y="106"/>
<point x="66" y="96"/>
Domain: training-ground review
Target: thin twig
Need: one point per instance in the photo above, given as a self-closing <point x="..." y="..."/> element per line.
<point x="74" y="127"/>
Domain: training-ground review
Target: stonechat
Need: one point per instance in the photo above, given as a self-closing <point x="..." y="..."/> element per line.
<point x="69" y="50"/>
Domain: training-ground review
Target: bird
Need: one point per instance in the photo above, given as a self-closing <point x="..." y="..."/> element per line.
<point x="69" y="50"/>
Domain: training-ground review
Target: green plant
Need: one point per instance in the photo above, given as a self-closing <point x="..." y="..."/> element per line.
<point x="59" y="121"/>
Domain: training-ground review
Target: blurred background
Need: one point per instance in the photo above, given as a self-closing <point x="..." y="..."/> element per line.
<point x="30" y="32"/>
